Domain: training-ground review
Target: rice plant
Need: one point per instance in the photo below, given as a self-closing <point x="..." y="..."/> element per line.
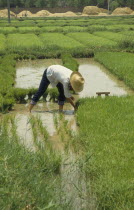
<point x="59" y="41"/>
<point x="92" y="41"/>
<point x="119" y="63"/>
<point x="2" y="43"/>
<point x="29" y="42"/>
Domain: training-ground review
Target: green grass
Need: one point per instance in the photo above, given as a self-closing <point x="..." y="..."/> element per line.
<point x="2" y="43"/>
<point x="24" y="42"/>
<point x="106" y="136"/>
<point x="28" y="179"/>
<point x="28" y="29"/>
<point x="110" y="35"/>
<point x="8" y="30"/>
<point x="59" y="41"/>
<point x="119" y="63"/>
<point x="92" y="41"/>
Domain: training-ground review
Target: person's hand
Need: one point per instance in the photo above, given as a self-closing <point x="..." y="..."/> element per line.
<point x="72" y="98"/>
<point x="75" y="108"/>
<point x="31" y="107"/>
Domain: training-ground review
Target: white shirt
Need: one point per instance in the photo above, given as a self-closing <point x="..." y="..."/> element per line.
<point x="58" y="73"/>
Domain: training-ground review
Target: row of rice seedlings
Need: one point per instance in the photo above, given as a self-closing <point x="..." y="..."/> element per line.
<point x="42" y="128"/>
<point x="119" y="27"/>
<point x="106" y="133"/>
<point x="34" y="174"/>
<point x="2" y="43"/>
<point x="36" y="134"/>
<point x="59" y="41"/>
<point x="109" y="35"/>
<point x="24" y="42"/>
<point x="119" y="63"/>
<point x="92" y="41"/>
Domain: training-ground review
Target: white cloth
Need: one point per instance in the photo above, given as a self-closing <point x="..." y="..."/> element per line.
<point x="58" y="73"/>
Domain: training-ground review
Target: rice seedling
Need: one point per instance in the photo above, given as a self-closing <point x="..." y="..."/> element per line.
<point x="105" y="134"/>
<point x="51" y="29"/>
<point x="68" y="29"/>
<point x="119" y="63"/>
<point x="92" y="41"/>
<point x="29" y="42"/>
<point x="59" y="41"/>
<point x="29" y="176"/>
<point x="110" y="35"/>
<point x="27" y="29"/>
<point x="2" y="43"/>
<point x="69" y="62"/>
<point x="8" y="30"/>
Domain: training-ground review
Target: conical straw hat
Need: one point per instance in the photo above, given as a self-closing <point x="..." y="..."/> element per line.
<point x="77" y="81"/>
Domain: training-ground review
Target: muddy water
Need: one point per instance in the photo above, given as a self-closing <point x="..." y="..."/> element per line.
<point x="29" y="72"/>
<point x="98" y="79"/>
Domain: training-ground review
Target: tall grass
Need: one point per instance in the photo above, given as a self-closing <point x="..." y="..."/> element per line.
<point x="119" y="63"/>
<point x="106" y="136"/>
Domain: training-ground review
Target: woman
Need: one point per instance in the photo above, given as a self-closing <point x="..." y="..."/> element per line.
<point x="62" y="78"/>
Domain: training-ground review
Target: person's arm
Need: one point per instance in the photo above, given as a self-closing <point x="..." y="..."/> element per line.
<point x="71" y="101"/>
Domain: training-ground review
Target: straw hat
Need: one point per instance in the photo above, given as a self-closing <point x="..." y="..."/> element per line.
<point x="77" y="81"/>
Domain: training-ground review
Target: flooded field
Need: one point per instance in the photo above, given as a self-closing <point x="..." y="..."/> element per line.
<point x="46" y="127"/>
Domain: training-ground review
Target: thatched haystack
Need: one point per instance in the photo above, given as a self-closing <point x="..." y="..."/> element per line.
<point x="66" y="14"/>
<point x="102" y="10"/>
<point x="102" y="14"/>
<point x="122" y="11"/>
<point x="42" y="13"/>
<point x="132" y="13"/>
<point x="91" y="10"/>
<point x="4" y="13"/>
<point x="25" y="13"/>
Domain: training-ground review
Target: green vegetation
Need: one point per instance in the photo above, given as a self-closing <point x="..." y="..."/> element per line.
<point x="106" y="136"/>
<point x="106" y="125"/>
<point x="56" y="41"/>
<point x="28" y="178"/>
<point x="24" y="42"/>
<point x="69" y="62"/>
<point x="2" y="43"/>
<point x="120" y="64"/>
<point x="92" y="41"/>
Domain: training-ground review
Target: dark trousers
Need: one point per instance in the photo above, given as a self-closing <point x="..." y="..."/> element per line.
<point x="43" y="87"/>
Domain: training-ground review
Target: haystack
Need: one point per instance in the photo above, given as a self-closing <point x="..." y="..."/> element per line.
<point x="91" y="10"/>
<point x="25" y="13"/>
<point x="42" y="13"/>
<point x="4" y="13"/>
<point x="66" y="14"/>
<point x="102" y="14"/>
<point x="102" y="10"/>
<point x="122" y="11"/>
<point x="132" y="13"/>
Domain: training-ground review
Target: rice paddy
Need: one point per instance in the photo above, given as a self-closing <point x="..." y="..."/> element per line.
<point x="81" y="160"/>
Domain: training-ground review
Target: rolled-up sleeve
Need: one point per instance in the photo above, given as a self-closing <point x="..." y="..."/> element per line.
<point x="66" y="90"/>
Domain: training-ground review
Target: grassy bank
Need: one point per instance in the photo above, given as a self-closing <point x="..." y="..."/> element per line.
<point x="106" y="136"/>
<point x="120" y="64"/>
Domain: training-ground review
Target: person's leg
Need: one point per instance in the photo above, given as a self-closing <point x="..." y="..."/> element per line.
<point x="61" y="98"/>
<point x="42" y="88"/>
